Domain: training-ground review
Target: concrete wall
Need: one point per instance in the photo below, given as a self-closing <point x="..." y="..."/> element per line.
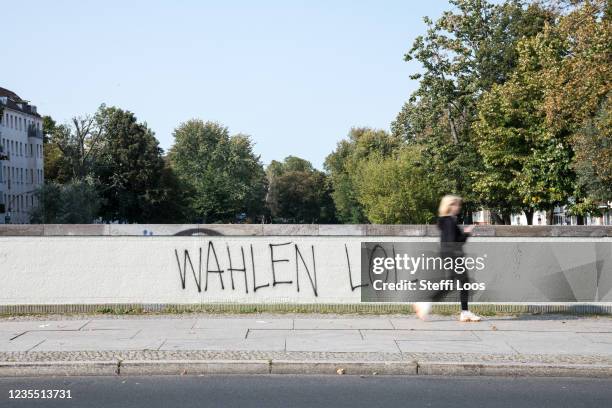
<point x="295" y="230"/>
<point x="125" y="264"/>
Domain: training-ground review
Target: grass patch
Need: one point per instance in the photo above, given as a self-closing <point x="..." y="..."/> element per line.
<point x="486" y="310"/>
<point x="120" y="311"/>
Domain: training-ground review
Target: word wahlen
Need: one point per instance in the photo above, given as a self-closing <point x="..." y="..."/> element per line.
<point x="237" y="262"/>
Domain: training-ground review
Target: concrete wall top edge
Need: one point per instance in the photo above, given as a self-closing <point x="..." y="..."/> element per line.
<point x="372" y="230"/>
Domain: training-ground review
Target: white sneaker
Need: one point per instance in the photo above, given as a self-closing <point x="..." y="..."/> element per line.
<point x="422" y="309"/>
<point x="467" y="316"/>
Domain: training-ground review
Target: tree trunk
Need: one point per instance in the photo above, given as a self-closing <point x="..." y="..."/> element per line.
<point x="496" y="219"/>
<point x="506" y="217"/>
<point x="529" y="215"/>
<point x="549" y="217"/>
<point x="452" y="126"/>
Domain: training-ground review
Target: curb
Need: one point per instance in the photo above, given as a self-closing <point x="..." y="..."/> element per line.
<point x="58" y="368"/>
<point x="193" y="367"/>
<point x="305" y="367"/>
<point x="514" y="369"/>
<point x="344" y="367"/>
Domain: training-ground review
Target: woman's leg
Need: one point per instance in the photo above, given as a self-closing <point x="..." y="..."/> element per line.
<point x="464" y="295"/>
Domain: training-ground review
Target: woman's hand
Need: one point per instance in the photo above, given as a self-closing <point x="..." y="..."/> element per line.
<point x="468" y="229"/>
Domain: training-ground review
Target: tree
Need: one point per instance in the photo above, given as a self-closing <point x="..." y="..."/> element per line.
<point x="593" y="157"/>
<point x="342" y="165"/>
<point x="76" y="202"/>
<point x="226" y="178"/>
<point x="298" y="193"/>
<point x="129" y="167"/>
<point x="577" y="98"/>
<point x="173" y="205"/>
<point x="397" y="189"/>
<point x="72" y="149"/>
<point x="463" y="54"/>
<point x="542" y="125"/>
<point x="526" y="162"/>
<point x="52" y="155"/>
<point x="48" y="127"/>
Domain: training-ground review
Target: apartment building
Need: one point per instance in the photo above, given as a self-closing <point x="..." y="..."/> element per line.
<point x="21" y="157"/>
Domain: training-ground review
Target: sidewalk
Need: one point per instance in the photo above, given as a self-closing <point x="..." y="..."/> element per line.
<point x="311" y="344"/>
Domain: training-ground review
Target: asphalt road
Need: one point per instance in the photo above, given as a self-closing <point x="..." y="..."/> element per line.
<point x="313" y="391"/>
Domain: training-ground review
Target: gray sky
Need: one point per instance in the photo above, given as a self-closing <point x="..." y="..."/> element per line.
<point x="295" y="75"/>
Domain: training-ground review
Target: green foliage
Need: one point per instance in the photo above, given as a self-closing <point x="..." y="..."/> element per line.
<point x="173" y="204"/>
<point x="71" y="150"/>
<point x="398" y="189"/>
<point x="298" y="193"/>
<point x="593" y="156"/>
<point x="525" y="126"/>
<point x="464" y="53"/>
<point x="129" y="166"/>
<point x="343" y="163"/>
<point x="49" y="126"/>
<point x="225" y="176"/>
<point x="75" y="202"/>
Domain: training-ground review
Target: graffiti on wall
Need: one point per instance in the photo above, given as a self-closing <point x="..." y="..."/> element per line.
<point x="237" y="268"/>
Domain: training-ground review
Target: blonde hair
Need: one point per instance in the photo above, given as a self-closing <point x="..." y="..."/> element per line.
<point x="446" y="202"/>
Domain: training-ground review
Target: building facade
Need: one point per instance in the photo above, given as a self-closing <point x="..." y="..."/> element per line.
<point x="560" y="216"/>
<point x="21" y="157"/>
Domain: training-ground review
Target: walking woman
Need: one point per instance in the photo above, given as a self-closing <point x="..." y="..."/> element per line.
<point x="452" y="239"/>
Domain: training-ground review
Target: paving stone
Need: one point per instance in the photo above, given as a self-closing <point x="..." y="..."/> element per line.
<point x="412" y="323"/>
<point x="244" y="323"/>
<point x="19" y="344"/>
<point x="192" y="334"/>
<point x="421" y="335"/>
<point x="81" y="334"/>
<point x="537" y="325"/>
<point x="158" y="324"/>
<point x="546" y="343"/>
<point x="330" y="335"/>
<point x="97" y="343"/>
<point x="41" y="325"/>
<point x="277" y="344"/>
<point x="336" y="341"/>
<point x="348" y="323"/>
<point x="605" y="338"/>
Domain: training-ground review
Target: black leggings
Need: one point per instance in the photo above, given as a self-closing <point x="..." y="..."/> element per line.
<point x="464" y="295"/>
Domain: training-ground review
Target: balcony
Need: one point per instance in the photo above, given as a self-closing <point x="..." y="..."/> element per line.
<point x="33" y="131"/>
